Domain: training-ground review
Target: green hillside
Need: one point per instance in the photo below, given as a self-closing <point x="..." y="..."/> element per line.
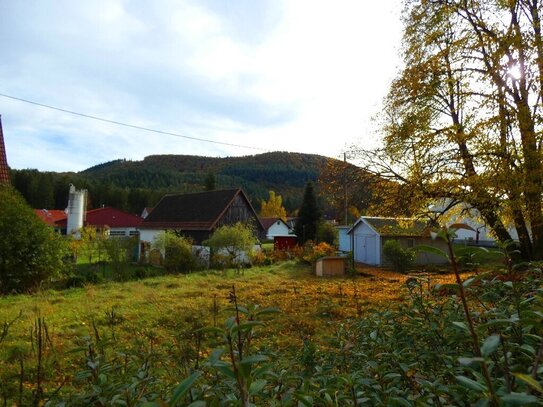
<point x="133" y="185"/>
<point x="285" y="173"/>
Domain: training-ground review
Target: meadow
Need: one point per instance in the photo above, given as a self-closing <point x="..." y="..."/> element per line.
<point x="372" y="339"/>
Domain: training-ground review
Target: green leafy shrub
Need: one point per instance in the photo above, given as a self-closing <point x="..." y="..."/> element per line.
<point x="31" y="253"/>
<point x="327" y="233"/>
<point x="177" y="255"/>
<point x="119" y="253"/>
<point x="243" y="372"/>
<point x="401" y="259"/>
<point x="232" y="245"/>
<point x="84" y="276"/>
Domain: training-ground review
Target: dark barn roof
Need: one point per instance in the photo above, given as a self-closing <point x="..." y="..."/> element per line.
<point x="196" y="211"/>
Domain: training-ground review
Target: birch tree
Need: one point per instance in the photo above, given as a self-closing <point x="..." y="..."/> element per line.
<point x="463" y="118"/>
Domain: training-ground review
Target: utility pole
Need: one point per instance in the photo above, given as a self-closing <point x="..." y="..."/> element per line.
<point x="345" y="187"/>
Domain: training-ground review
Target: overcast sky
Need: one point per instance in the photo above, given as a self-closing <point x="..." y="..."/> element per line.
<point x="287" y="75"/>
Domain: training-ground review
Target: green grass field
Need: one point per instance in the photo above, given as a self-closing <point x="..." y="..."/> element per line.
<point x="289" y="286"/>
<point x="159" y="315"/>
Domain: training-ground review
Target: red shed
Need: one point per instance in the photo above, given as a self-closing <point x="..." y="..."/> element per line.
<point x="284" y="242"/>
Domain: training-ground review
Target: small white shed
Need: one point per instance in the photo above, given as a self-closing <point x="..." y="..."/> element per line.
<point x="369" y="234"/>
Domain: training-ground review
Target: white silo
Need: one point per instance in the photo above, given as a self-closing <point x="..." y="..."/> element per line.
<point x="77" y="204"/>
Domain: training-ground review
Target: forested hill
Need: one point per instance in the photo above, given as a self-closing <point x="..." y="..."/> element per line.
<point x="131" y="185"/>
<point x="269" y="170"/>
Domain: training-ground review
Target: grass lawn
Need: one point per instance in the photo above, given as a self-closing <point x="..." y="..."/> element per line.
<point x="267" y="246"/>
<point x="156" y="311"/>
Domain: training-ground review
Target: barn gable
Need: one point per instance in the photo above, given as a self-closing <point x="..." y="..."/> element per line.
<point x="196" y="215"/>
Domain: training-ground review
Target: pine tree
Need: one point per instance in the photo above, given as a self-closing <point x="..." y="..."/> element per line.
<point x="309" y="215"/>
<point x="210" y="182"/>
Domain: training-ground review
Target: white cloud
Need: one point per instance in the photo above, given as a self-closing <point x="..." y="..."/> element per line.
<point x="296" y="76"/>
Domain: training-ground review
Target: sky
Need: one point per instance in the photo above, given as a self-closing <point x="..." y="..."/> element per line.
<point x="266" y="75"/>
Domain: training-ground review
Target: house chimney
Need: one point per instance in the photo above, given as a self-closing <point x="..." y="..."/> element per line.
<point x="4" y="173"/>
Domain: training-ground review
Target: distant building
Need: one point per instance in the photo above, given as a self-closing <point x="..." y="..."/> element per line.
<point x="77" y="207"/>
<point x="198" y="214"/>
<point x="344" y="239"/>
<point x="275" y="227"/>
<point x="51" y="217"/>
<point x="116" y="222"/>
<point x="369" y="235"/>
<point x="474" y="231"/>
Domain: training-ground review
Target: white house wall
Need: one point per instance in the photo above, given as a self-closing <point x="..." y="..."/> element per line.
<point x="123" y="232"/>
<point x="277" y="230"/>
<point x="484" y="232"/>
<point x="471" y="218"/>
<point x="148" y="235"/>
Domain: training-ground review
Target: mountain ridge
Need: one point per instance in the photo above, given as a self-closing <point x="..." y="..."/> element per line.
<point x="283" y="172"/>
<point x="131" y="185"/>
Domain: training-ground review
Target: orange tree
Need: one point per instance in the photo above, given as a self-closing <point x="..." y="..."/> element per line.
<point x="273" y="207"/>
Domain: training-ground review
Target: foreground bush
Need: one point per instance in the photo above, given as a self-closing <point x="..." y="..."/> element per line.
<point x="420" y="352"/>
<point x="31" y="253"/>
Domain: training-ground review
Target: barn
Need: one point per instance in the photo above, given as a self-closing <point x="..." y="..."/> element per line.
<point x="198" y="214"/>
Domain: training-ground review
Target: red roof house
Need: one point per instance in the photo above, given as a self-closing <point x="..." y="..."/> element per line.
<point x="275" y="227"/>
<point x="51" y="216"/>
<point x="118" y="222"/>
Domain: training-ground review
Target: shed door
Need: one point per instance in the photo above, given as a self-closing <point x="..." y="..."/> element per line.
<point x="371" y="254"/>
<point x="366" y="253"/>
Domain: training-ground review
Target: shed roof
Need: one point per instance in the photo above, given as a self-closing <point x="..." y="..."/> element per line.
<point x="405" y="227"/>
